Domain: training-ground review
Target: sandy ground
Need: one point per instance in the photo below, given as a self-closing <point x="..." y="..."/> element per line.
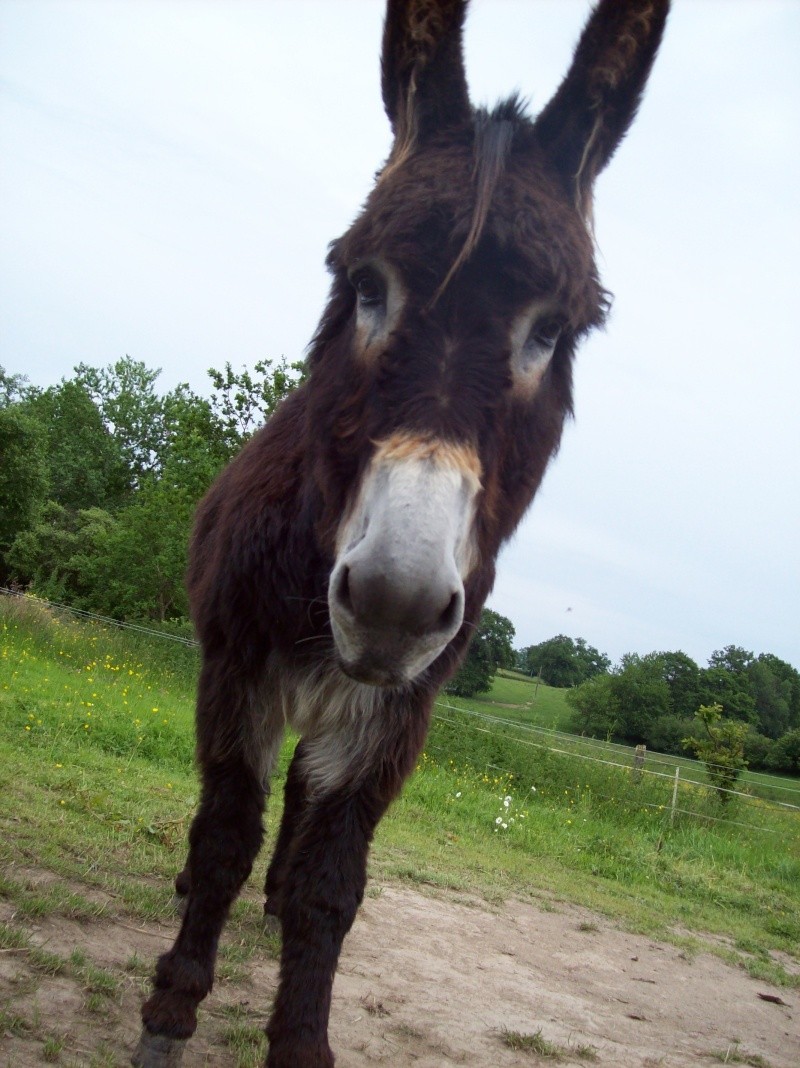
<point x="429" y="981"/>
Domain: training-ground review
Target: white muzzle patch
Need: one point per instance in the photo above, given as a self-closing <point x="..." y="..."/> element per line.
<point x="396" y="592"/>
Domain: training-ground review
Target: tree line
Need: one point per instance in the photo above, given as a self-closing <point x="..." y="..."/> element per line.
<point x="99" y="479"/>
<point x="655" y="700"/>
<point x="101" y="474"/>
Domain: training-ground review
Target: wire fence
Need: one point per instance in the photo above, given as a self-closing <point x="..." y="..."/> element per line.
<point x="574" y="741"/>
<point x="108" y="621"/>
<point x="621" y="758"/>
<point x="668" y="805"/>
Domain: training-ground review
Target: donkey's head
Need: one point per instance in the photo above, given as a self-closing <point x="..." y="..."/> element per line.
<point x="441" y="373"/>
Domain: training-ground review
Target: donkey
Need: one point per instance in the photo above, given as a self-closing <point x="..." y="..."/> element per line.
<point x="339" y="564"/>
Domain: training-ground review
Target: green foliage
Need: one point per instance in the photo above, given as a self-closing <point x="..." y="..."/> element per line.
<point x="86" y="465"/>
<point x="244" y="400"/>
<point x="651" y="700"/>
<point x="682" y="676"/>
<point x="562" y="661"/>
<point x="775" y="686"/>
<point x="55" y="553"/>
<point x="12" y="387"/>
<point x="137" y="568"/>
<point x="489" y="649"/>
<point x="721" y="749"/>
<point x="784" y="755"/>
<point x="124" y="394"/>
<point x="596" y="712"/>
<point x="23" y="474"/>
<point x="625" y="703"/>
<point x="731" y="690"/>
<point x="732" y="658"/>
<point x="103" y="474"/>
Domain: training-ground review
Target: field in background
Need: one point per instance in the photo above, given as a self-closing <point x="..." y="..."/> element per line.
<point x="544" y="716"/>
<point x="97" y="787"/>
<point x="517" y="696"/>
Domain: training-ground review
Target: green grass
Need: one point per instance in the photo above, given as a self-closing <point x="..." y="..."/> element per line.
<point x="103" y="802"/>
<point x="520" y="698"/>
<point x="537" y="1045"/>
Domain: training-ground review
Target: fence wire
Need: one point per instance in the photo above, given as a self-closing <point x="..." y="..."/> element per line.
<point x="517" y="728"/>
<point x="667" y="807"/>
<point x="599" y="760"/>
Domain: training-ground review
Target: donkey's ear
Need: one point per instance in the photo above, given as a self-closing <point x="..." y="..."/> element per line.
<point x="422" y="68"/>
<point x="596" y="103"/>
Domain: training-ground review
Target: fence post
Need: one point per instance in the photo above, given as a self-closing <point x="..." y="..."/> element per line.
<point x="674" y="796"/>
<point x="638" y="762"/>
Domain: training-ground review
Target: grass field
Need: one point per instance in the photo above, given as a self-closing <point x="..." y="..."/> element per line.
<point x="519" y="697"/>
<point x="97" y="787"/>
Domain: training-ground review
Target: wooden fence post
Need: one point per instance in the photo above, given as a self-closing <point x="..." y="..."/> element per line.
<point x="638" y="762"/>
<point x="674" y="796"/>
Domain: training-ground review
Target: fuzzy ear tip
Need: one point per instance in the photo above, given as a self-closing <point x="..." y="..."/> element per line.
<point x="587" y="119"/>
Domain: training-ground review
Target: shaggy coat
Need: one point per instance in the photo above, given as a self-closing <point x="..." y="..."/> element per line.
<point x="339" y="565"/>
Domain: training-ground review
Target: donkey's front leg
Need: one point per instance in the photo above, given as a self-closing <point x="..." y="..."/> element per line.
<point x="295" y="800"/>
<point x="235" y="749"/>
<point x="223" y="842"/>
<point x="323" y="886"/>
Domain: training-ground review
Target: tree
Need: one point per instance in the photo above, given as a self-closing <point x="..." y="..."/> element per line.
<point x="101" y="475"/>
<point x="136" y="567"/>
<point x="13" y="388"/>
<point x="23" y="475"/>
<point x="784" y="755"/>
<point x="51" y="553"/>
<point x="595" y="707"/>
<point x="642" y="696"/>
<point x="196" y="446"/>
<point x="775" y="686"/>
<point x="719" y="685"/>
<point x="243" y="401"/>
<point x="86" y="466"/>
<point x="489" y="649"/>
<point x="636" y="702"/>
<point x="732" y="658"/>
<point x="682" y="676"/>
<point x="721" y="749"/>
<point x="124" y="393"/>
<point x="562" y="661"/>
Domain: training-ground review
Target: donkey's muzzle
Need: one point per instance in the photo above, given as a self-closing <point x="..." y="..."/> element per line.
<point x="396" y="591"/>
<point x="391" y="624"/>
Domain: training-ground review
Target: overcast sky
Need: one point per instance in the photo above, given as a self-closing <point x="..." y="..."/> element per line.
<point x="172" y="171"/>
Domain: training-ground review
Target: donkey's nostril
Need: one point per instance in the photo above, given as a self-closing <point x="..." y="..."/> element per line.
<point x="342" y="590"/>
<point x="450" y="617"/>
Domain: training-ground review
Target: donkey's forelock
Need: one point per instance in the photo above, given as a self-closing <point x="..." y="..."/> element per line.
<point x="494" y="134"/>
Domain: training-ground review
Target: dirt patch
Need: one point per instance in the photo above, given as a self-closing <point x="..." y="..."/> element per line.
<point x="423" y="981"/>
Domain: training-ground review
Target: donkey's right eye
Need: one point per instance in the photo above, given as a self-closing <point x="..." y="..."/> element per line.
<point x="369" y="287"/>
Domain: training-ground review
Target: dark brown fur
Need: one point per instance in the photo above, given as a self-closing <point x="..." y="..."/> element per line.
<point x="478" y="214"/>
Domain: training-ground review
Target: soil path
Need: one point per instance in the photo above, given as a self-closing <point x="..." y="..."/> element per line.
<point x="429" y="982"/>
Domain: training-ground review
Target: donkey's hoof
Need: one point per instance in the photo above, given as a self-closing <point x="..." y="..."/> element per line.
<point x="271" y="924"/>
<point x="158" y="1051"/>
<point x="180" y="903"/>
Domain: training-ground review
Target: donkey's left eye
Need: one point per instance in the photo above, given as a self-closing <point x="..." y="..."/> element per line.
<point x="546" y="334"/>
<point x="369" y="288"/>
